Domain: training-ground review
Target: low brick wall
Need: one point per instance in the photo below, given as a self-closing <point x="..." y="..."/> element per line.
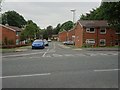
<point x="14" y="46"/>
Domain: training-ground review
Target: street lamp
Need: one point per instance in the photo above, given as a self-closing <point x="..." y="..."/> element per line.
<point x="6" y="22"/>
<point x="73" y="11"/>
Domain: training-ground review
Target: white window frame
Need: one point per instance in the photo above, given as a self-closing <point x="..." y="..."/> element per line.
<point x="17" y="41"/>
<point x="88" y="30"/>
<point x="104" y="43"/>
<point x="117" y="41"/>
<point x="90" y="41"/>
<point x="17" y="33"/>
<point x="117" y="32"/>
<point x="102" y="29"/>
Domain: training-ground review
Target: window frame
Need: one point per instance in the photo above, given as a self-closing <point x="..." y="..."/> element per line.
<point x="87" y="41"/>
<point x="17" y="33"/>
<point x="104" y="42"/>
<point x="117" y="32"/>
<point x="102" y="32"/>
<point x="88" y="30"/>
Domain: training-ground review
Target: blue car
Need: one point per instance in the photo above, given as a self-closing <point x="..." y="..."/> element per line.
<point x="38" y="44"/>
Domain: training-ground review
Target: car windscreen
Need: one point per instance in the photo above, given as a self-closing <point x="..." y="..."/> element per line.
<point x="38" y="42"/>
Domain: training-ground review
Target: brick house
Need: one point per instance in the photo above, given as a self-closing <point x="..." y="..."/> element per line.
<point x="95" y="33"/>
<point x="9" y="35"/>
<point x="67" y="35"/>
<point x="92" y="33"/>
<point x="71" y="35"/>
<point x="62" y="36"/>
<point x="54" y="37"/>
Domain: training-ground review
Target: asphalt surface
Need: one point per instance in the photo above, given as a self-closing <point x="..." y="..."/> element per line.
<point x="58" y="66"/>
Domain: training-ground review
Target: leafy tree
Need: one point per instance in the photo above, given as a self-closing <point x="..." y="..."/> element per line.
<point x="107" y="11"/>
<point x="45" y="34"/>
<point x="111" y="12"/>
<point x="56" y="29"/>
<point x="12" y="18"/>
<point x="67" y="26"/>
<point x="49" y="31"/>
<point x="31" y="31"/>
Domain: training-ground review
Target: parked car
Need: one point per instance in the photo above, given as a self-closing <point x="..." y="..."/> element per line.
<point x="46" y="42"/>
<point x="68" y="42"/>
<point x="49" y="40"/>
<point x="38" y="44"/>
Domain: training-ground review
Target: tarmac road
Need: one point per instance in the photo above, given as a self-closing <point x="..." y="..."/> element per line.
<point x="58" y="66"/>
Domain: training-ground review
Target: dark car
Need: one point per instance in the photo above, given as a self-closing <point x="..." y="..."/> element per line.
<point x="38" y="44"/>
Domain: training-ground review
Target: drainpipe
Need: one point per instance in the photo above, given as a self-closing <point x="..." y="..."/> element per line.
<point x="97" y="37"/>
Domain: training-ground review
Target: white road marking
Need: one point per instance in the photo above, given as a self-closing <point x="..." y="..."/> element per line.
<point x="52" y="50"/>
<point x="63" y="46"/>
<point x="54" y="46"/>
<point x="22" y="54"/>
<point x="106" y="70"/>
<point x="25" y="75"/>
<point x="47" y="56"/>
<point x="45" y="53"/>
<point x="91" y="54"/>
<point x="68" y="55"/>
<point x="77" y="49"/>
<point x="80" y="54"/>
<point x="57" y="55"/>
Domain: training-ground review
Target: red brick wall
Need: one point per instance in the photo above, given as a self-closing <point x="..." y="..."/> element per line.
<point x="9" y="34"/>
<point x="110" y="36"/>
<point x="81" y="35"/>
<point x="70" y="34"/>
<point x="87" y="35"/>
<point x="62" y="36"/>
<point x="78" y="35"/>
<point x="0" y="34"/>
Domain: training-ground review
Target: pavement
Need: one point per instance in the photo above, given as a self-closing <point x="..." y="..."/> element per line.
<point x="103" y="49"/>
<point x="57" y="66"/>
<point x="18" y="49"/>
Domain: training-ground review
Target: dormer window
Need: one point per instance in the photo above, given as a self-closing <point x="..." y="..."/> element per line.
<point x="90" y="30"/>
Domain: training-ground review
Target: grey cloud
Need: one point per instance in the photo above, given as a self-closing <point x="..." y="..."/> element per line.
<point x="49" y="13"/>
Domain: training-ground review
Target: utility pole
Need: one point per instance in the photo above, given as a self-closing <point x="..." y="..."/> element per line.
<point x="73" y="11"/>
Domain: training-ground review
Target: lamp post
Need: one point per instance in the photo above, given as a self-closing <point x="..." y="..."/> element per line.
<point x="73" y="11"/>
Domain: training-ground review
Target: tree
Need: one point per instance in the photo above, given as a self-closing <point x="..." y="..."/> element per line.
<point x="111" y="12"/>
<point x="49" y="31"/>
<point x="56" y="29"/>
<point x="45" y="34"/>
<point x="12" y="18"/>
<point x="107" y="11"/>
<point x="31" y="31"/>
<point x="67" y="26"/>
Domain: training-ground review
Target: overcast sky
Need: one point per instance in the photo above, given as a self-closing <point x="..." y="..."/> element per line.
<point x="49" y="13"/>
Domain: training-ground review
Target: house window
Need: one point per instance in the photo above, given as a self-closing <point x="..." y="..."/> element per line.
<point x="102" y="42"/>
<point x="102" y="30"/>
<point x="117" y="31"/>
<point x="90" y="41"/>
<point x="17" y="41"/>
<point x="90" y="30"/>
<point x="17" y="33"/>
<point x="117" y="42"/>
